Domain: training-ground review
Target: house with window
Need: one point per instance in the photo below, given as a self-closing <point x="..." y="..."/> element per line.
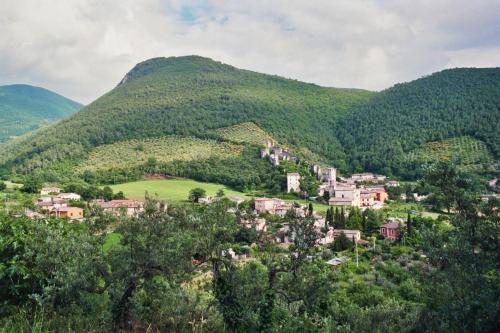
<point x="72" y="213"/>
<point x="390" y="230"/>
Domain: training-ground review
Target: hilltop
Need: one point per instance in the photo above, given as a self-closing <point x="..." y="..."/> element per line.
<point x="24" y="108"/>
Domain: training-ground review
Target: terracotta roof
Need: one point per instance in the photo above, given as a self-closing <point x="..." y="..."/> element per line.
<point x="391" y="225"/>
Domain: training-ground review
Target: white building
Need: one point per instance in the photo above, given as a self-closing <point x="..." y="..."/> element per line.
<point x="49" y="190"/>
<point x="293" y="182"/>
<point x="69" y="196"/>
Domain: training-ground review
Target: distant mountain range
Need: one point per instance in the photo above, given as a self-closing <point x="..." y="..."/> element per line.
<point x="354" y="129"/>
<point x="24" y="108"/>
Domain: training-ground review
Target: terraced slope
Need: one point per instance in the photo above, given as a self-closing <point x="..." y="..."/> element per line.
<point x="134" y="153"/>
<point x="469" y="153"/>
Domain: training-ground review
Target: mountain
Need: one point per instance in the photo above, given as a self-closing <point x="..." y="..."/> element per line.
<point x="397" y="131"/>
<point x="456" y="103"/>
<point x="24" y="108"/>
<point x="191" y="96"/>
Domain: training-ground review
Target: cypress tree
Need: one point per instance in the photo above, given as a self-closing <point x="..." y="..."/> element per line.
<point x="342" y="218"/>
<point x="408" y="224"/>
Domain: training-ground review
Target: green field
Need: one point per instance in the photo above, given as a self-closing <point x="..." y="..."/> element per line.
<point x="177" y="190"/>
<point x="174" y="190"/>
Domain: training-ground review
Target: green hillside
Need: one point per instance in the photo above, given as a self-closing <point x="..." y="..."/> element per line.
<point x="191" y="96"/>
<point x="445" y="105"/>
<point x="200" y="99"/>
<point x="24" y="108"/>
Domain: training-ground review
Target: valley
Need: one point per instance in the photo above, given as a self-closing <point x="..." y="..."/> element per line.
<point x="196" y="196"/>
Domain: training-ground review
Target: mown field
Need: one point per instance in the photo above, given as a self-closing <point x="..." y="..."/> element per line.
<point x="469" y="153"/>
<point x="174" y="190"/>
<point x="126" y="154"/>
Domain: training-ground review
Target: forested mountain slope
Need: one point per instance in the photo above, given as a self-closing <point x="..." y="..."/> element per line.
<point x="190" y="96"/>
<point x="448" y="104"/>
<point x="24" y="108"/>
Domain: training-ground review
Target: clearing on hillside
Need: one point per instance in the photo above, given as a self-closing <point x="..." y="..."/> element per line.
<point x="245" y="133"/>
<point x="126" y="154"/>
<point x="469" y="153"/>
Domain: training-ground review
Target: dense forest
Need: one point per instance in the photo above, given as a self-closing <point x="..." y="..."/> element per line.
<point x="449" y="104"/>
<point x="24" y="108"/>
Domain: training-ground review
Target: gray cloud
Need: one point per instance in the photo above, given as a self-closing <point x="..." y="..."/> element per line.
<point x="82" y="48"/>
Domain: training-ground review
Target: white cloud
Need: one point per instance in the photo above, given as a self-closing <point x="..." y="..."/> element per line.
<point x="82" y="48"/>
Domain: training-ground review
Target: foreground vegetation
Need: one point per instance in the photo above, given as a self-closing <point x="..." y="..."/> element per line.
<point x="170" y="269"/>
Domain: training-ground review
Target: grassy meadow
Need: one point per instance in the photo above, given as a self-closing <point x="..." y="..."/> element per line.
<point x="174" y="190"/>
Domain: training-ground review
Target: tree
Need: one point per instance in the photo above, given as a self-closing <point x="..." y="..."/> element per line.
<point x="341" y="243"/>
<point x="373" y="221"/>
<point x="107" y="193"/>
<point x="32" y="184"/>
<point x="155" y="249"/>
<point x="464" y="287"/>
<point x="326" y="196"/>
<point x="150" y="165"/>
<point x="220" y="193"/>
<point x="3" y="186"/>
<point x="196" y="194"/>
<point x="408" y="224"/>
<point x="354" y="219"/>
<point x="310" y="209"/>
<point x="443" y="177"/>
<point x="119" y="195"/>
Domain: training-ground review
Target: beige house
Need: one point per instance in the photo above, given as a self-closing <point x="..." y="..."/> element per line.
<point x="263" y="205"/>
<point x="115" y="207"/>
<point x="356" y="234"/>
<point x="293" y="182"/>
<point x="345" y="196"/>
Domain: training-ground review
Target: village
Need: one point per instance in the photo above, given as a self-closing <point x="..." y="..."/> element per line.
<point x="360" y="191"/>
<point x="269" y="217"/>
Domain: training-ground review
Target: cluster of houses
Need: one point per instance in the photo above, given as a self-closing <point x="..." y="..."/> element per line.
<point x="278" y="207"/>
<point x="53" y="202"/>
<point x="347" y="192"/>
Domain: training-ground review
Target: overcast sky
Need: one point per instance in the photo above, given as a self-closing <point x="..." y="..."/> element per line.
<point x="82" y="48"/>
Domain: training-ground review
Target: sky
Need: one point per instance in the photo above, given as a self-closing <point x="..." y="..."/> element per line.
<point x="82" y="48"/>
